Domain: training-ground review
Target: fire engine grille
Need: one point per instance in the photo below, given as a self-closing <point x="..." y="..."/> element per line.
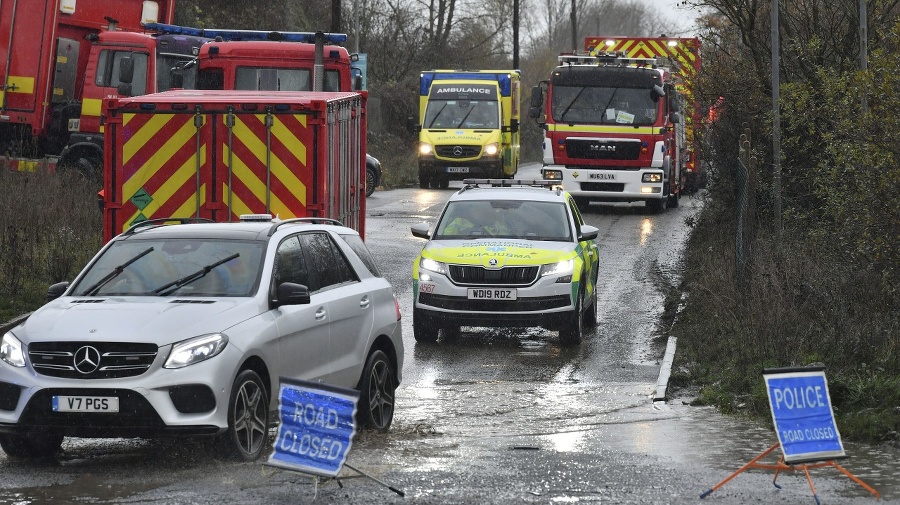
<point x="91" y="360"/>
<point x="596" y="149"/>
<point x="457" y="152"/>
<point x="612" y="187"/>
<point x="509" y="276"/>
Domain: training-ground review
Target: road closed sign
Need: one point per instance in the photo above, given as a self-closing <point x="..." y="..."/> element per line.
<point x="317" y="424"/>
<point x="802" y="413"/>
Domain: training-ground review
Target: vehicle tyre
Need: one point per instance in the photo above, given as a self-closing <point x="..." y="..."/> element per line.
<point x="371" y="182"/>
<point x="424" y="179"/>
<point x="443" y="182"/>
<point x="590" y="312"/>
<point x="657" y="205"/>
<point x="248" y="418"/>
<point x="450" y="332"/>
<point x="573" y="328"/>
<point x="424" y="329"/>
<point x="32" y="445"/>
<point x="673" y="200"/>
<point x="376" y="398"/>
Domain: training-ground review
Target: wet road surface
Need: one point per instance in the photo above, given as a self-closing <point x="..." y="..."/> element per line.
<point x="495" y="416"/>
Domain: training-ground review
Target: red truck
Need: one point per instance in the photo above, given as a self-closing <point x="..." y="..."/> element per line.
<point x="619" y="120"/>
<point x="60" y="58"/>
<point x="222" y="154"/>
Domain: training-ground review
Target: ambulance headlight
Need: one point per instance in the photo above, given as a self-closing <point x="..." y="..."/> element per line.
<point x="653" y="177"/>
<point x="492" y="149"/>
<point x="429" y="265"/>
<point x="425" y="149"/>
<point x="11" y="350"/>
<point x="564" y="269"/>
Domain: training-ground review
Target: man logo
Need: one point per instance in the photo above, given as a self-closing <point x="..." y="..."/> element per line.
<point x="87" y="359"/>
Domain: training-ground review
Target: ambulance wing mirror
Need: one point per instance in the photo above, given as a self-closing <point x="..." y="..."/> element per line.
<point x="513" y="126"/>
<point x="588" y="232"/>
<point x="420" y="230"/>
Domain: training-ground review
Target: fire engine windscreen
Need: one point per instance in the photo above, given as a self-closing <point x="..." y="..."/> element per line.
<point x="594" y="97"/>
<point x="282" y="79"/>
<point x="166" y="65"/>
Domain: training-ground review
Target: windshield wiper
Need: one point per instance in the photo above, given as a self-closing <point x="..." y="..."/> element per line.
<point x="187" y="279"/>
<point x="91" y="291"/>
<point x="463" y="120"/>
<point x="436" y="116"/>
<point x="562" y="117"/>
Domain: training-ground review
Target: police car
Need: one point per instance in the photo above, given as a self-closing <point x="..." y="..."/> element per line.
<point x="506" y="253"/>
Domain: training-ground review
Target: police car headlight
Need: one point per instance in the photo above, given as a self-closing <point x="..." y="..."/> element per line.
<point x="11" y="350"/>
<point x="425" y="149"/>
<point x="492" y="149"/>
<point x="432" y="266"/>
<point x="195" y="350"/>
<point x="562" y="268"/>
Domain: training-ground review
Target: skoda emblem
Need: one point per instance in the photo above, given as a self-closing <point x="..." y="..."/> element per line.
<point x="457" y="151"/>
<point x="87" y="359"/>
<point x="492" y="262"/>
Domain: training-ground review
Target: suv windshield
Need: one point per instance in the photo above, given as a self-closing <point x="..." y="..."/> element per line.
<point x="204" y="267"/>
<point x="516" y="219"/>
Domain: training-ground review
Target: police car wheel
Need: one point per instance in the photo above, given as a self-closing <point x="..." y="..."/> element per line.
<point x="248" y="418"/>
<point x="424" y="329"/>
<point x="376" y="386"/>
<point x="41" y="445"/>
<point x="573" y="328"/>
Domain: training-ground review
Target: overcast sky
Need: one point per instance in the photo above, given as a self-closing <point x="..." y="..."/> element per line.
<point x="684" y="18"/>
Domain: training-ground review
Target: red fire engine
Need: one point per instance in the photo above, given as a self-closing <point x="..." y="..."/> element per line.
<point x="617" y="126"/>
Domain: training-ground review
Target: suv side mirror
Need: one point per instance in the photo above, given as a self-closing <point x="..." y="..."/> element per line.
<point x="289" y="293"/>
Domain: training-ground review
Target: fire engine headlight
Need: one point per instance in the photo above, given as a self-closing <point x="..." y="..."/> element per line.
<point x="425" y="149"/>
<point x="195" y="350"/>
<point x="11" y="350"/>
<point x="552" y="175"/>
<point x="431" y="266"/>
<point x="653" y="177"/>
<point x="563" y="268"/>
<point x="492" y="149"/>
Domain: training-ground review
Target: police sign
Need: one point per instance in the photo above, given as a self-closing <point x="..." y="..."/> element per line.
<point x="317" y="424"/>
<point x="802" y="413"/>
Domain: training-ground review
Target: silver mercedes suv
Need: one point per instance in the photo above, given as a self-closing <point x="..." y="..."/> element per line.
<point x="180" y="327"/>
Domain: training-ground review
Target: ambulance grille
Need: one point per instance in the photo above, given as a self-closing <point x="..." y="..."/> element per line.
<point x="479" y="276"/>
<point x="457" y="152"/>
<point x="91" y="360"/>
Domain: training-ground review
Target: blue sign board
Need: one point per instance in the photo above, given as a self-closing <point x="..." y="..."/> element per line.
<point x="802" y="413"/>
<point x="317" y="424"/>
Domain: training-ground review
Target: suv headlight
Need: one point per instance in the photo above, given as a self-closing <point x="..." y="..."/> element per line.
<point x="562" y="268"/>
<point x="431" y="265"/>
<point x="11" y="350"/>
<point x="196" y="350"/>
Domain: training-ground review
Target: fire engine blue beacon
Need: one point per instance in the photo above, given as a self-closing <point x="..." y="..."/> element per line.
<point x="316" y="429"/>
<point x="802" y="414"/>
